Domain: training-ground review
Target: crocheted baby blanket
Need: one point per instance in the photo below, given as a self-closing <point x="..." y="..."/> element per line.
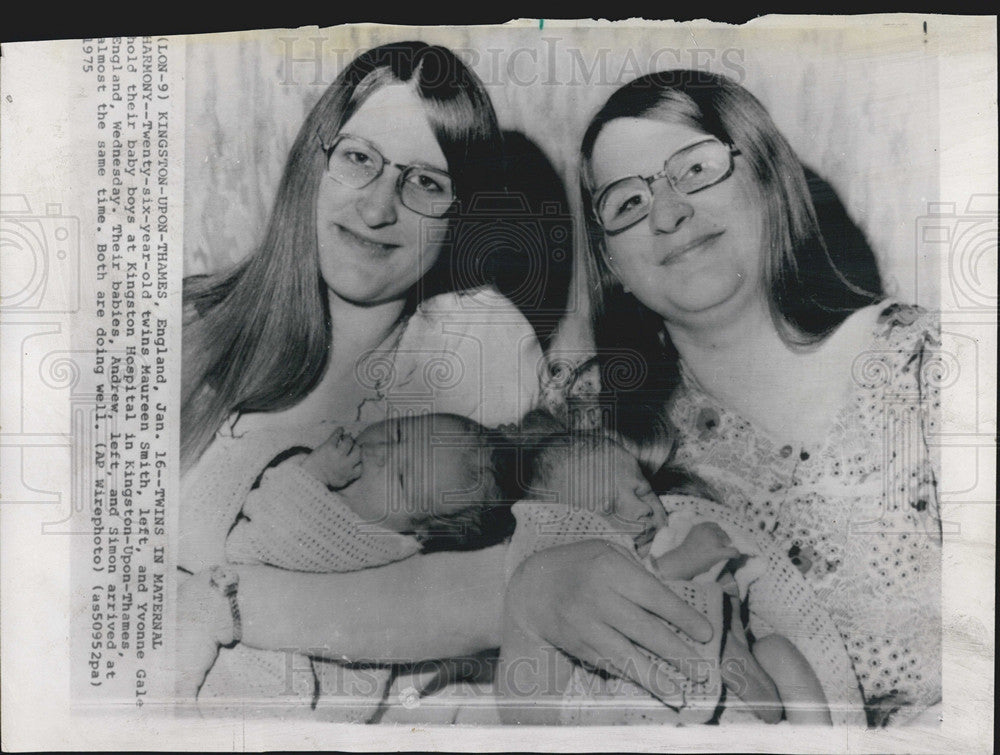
<point x="778" y="598"/>
<point x="291" y="520"/>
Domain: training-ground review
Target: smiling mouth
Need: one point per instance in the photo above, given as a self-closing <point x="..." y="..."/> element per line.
<point x="373" y="247"/>
<point x="683" y="251"/>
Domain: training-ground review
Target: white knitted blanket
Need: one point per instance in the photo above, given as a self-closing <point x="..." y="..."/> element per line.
<point x="294" y="522"/>
<point x="779" y="600"/>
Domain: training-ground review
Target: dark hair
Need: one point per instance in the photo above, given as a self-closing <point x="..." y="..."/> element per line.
<point x="491" y="468"/>
<point x="551" y="451"/>
<point x="809" y="292"/>
<point x="238" y="356"/>
<point x="545" y="453"/>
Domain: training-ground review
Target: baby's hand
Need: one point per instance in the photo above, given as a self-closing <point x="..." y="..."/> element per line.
<point x="705" y="545"/>
<point x="710" y="537"/>
<point x="337" y="462"/>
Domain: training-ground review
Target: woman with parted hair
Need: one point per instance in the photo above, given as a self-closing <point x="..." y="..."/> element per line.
<point x="768" y="363"/>
<point x="345" y="314"/>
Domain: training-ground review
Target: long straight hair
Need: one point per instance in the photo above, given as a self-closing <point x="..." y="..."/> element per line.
<point x="809" y="294"/>
<point x="256" y="338"/>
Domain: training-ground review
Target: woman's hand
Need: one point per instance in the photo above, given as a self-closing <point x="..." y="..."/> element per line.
<point x="204" y="623"/>
<point x="598" y="605"/>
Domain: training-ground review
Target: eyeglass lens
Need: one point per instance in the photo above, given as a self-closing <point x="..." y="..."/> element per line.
<point x="689" y="170"/>
<point x="356" y="163"/>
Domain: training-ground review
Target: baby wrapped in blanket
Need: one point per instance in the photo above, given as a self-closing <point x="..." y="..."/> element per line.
<point x="405" y="485"/>
<point x="792" y="665"/>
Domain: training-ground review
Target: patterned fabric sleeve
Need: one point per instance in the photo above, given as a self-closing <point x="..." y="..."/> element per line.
<point x="912" y="403"/>
<point x="570" y="389"/>
<point x="901" y="545"/>
<point x="861" y="519"/>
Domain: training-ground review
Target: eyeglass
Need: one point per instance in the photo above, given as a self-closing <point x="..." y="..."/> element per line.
<point x="355" y="162"/>
<point x="626" y="201"/>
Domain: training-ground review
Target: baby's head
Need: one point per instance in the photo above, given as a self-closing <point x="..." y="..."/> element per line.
<point x="439" y="477"/>
<point x="592" y="471"/>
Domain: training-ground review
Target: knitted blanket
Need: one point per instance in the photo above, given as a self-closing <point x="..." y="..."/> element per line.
<point x="778" y="597"/>
<point x="293" y="521"/>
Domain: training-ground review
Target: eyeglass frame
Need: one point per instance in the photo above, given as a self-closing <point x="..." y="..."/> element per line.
<point x="402" y="168"/>
<point x="662" y="173"/>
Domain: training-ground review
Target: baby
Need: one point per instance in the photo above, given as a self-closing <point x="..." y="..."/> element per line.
<point x="586" y="485"/>
<point x="436" y="479"/>
<point x="405" y="485"/>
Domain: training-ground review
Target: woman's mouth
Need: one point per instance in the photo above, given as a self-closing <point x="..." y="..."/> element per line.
<point x="370" y="246"/>
<point x="684" y="250"/>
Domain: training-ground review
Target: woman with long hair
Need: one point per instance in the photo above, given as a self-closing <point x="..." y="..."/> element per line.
<point x="258" y="338"/>
<point x="768" y="363"/>
<point x="347" y="313"/>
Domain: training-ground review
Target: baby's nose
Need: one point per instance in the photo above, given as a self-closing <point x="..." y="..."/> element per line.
<point x="659" y="516"/>
<point x="631" y="508"/>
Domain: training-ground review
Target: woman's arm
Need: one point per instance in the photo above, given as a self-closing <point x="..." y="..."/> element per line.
<point x="589" y="599"/>
<point x="531" y="678"/>
<point x="434" y="606"/>
<point x="599" y="606"/>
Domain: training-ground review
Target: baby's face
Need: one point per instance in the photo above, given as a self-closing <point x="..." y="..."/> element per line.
<point x="411" y="467"/>
<point x="608" y="480"/>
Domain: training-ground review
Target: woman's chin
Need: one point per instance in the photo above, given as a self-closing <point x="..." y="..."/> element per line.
<point x="362" y="293"/>
<point x="705" y="298"/>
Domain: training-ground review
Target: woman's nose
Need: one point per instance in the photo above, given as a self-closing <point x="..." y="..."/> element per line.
<point x="669" y="210"/>
<point x="377" y="202"/>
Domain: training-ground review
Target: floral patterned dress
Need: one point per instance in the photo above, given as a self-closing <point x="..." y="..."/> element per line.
<point x="857" y="514"/>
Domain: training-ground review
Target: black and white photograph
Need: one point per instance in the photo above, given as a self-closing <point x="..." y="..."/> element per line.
<point x="548" y="385"/>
